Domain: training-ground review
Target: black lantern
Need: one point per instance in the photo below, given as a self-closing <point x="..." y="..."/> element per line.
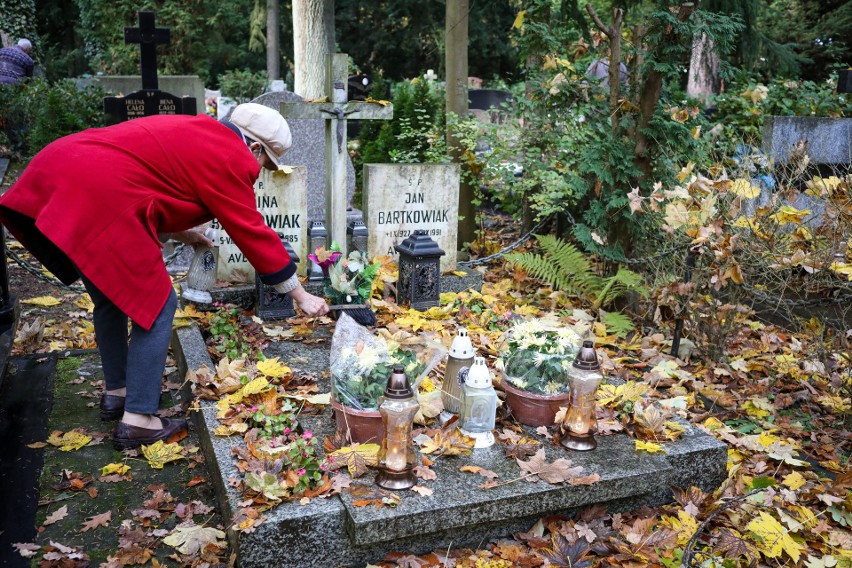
<point x="318" y="237"/>
<point x="356" y="232"/>
<point x="270" y="304"/>
<point x="419" y="271"/>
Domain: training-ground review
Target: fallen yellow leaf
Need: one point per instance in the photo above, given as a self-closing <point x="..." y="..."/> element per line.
<point x="649" y="447"/>
<point x="44" y="301"/>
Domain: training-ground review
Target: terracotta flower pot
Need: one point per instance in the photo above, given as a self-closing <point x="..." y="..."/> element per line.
<point x="364" y="426"/>
<point x="533" y="409"/>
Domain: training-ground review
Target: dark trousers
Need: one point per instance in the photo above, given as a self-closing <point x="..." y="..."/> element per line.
<point x="136" y="362"/>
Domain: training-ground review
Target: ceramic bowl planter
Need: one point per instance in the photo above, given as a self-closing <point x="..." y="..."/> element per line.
<point x="533" y="409"/>
<point x="363" y="426"/>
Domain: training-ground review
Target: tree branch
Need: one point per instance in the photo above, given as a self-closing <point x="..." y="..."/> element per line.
<point x="598" y="22"/>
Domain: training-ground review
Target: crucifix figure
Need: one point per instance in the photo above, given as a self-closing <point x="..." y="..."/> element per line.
<point x="148" y="37"/>
<point x="336" y="112"/>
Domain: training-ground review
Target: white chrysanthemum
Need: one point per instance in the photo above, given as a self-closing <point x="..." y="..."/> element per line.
<point x="499" y="364"/>
<point x="568" y="340"/>
<point x="553" y="387"/>
<point x="526" y="342"/>
<point x="357" y="378"/>
<point x="367" y="359"/>
<point x="520" y="383"/>
<point x="540" y="358"/>
<point x="566" y="365"/>
<point x="539" y="340"/>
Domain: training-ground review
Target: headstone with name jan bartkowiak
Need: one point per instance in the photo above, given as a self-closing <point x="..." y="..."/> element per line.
<point x="150" y="100"/>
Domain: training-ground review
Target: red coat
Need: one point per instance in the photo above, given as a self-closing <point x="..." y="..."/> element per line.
<point x="101" y="196"/>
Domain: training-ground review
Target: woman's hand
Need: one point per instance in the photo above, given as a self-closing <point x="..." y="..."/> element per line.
<point x="308" y="303"/>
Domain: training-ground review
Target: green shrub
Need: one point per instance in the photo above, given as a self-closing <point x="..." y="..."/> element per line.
<point x="243" y="85"/>
<point x="745" y="105"/>
<point x="36" y="112"/>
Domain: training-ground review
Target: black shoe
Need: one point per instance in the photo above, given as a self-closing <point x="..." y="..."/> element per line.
<point x="112" y="407"/>
<point x="126" y="436"/>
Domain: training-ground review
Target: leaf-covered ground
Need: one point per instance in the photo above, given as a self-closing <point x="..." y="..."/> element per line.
<point x="779" y="399"/>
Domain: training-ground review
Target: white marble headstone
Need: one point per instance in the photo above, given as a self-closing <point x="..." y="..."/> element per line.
<point x="282" y="199"/>
<point x="402" y="198"/>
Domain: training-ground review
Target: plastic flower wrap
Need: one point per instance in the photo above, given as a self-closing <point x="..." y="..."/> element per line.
<point x="362" y="361"/>
<point x="326" y="257"/>
<point x="350" y="279"/>
<point x="536" y="357"/>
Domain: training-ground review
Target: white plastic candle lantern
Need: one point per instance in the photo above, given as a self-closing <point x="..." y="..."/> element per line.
<point x="479" y="404"/>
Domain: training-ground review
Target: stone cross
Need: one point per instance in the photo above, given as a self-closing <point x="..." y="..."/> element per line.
<point x="336" y="112"/>
<point x="148" y="37"/>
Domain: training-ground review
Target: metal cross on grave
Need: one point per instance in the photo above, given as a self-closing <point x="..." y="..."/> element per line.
<point x="336" y="112"/>
<point x="147" y="36"/>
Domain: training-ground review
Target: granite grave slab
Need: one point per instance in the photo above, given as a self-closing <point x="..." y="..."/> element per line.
<point x="333" y="532"/>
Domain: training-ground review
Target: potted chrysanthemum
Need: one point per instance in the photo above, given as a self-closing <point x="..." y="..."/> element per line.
<point x="535" y="361"/>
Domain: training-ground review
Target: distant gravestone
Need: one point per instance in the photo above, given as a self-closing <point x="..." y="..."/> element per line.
<point x="308" y="150"/>
<point x="149" y="101"/>
<point x="282" y="200"/>
<point x="402" y="198"/>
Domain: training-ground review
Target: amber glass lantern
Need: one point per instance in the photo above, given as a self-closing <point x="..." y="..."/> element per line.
<point x="460" y="356"/>
<point x="580" y="424"/>
<point x="396" y="456"/>
<point x="479" y="405"/>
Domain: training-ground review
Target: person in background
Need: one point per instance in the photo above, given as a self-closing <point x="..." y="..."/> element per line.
<point x="16" y="63"/>
<point x="94" y="205"/>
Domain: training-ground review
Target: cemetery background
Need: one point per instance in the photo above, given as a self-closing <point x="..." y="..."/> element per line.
<point x="756" y="379"/>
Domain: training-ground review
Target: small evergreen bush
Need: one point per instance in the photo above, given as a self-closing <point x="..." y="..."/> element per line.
<point x="36" y="112"/>
<point x="243" y="85"/>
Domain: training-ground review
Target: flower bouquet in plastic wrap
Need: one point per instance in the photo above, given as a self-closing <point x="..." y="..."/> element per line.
<point x="361" y="362"/>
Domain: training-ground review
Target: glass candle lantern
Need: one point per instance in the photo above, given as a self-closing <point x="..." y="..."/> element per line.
<point x="580" y="424"/>
<point x="202" y="271"/>
<point x="460" y="356"/>
<point x="396" y="456"/>
<point x="479" y="404"/>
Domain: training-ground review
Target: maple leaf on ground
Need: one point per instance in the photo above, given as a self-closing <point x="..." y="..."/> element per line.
<point x="194" y="538"/>
<point x="518" y="446"/>
<point x="68" y="441"/>
<point x="371" y="495"/>
<point x="26" y="549"/>
<point x="567" y="554"/>
<point x="425" y="473"/>
<point x="335" y="442"/>
<point x="773" y="538"/>
<point x="96" y="521"/>
<point x="57" y="515"/>
<point x="486" y="473"/>
<point x="422" y="490"/>
<point x="160" y="453"/>
<point x="554" y="472"/>
<point x="732" y="544"/>
<point x="356" y="458"/>
<point x="448" y="443"/>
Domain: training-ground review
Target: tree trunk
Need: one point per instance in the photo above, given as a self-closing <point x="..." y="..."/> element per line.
<point x="313" y="38"/>
<point x="273" y="39"/>
<point x="456" y="30"/>
<point x="703" y="80"/>
<point x="649" y="97"/>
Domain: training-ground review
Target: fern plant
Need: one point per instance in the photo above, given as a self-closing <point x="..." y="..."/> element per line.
<point x="564" y="267"/>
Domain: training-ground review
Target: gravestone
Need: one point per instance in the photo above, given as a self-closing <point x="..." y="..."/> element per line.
<point x="489" y="105"/>
<point x="282" y="200"/>
<point x="308" y="150"/>
<point x="402" y="198"/>
<point x="150" y="100"/>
